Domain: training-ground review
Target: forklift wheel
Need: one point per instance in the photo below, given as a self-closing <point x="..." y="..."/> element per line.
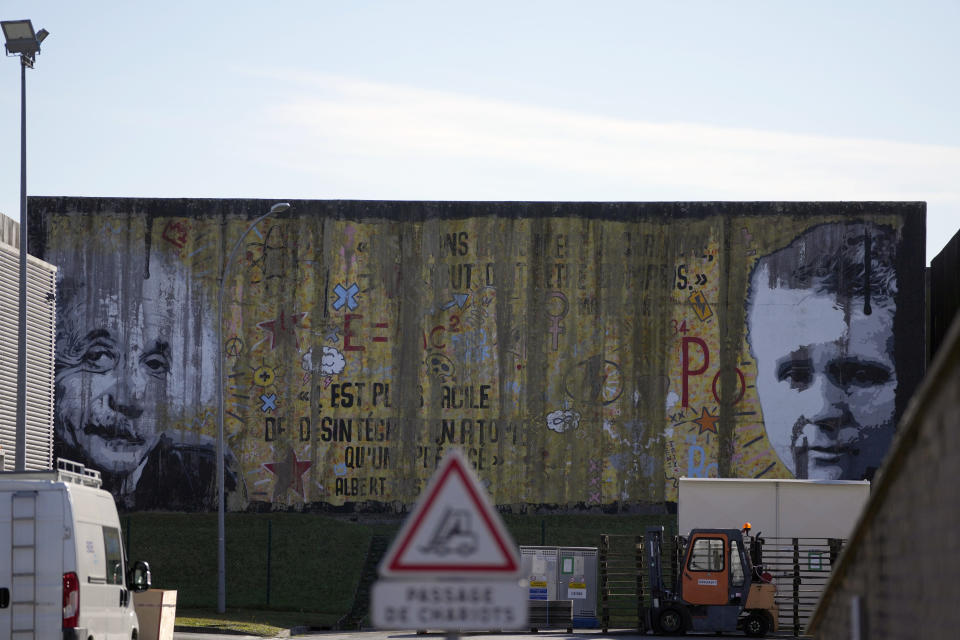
<point x="670" y="622"/>
<point x="756" y="625"/>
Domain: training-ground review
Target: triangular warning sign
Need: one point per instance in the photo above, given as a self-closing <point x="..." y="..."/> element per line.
<point x="453" y="530"/>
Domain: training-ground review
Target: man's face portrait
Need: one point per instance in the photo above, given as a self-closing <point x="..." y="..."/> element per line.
<point x="826" y="380"/>
<point x="821" y="328"/>
<point x="131" y="399"/>
<point x="111" y="374"/>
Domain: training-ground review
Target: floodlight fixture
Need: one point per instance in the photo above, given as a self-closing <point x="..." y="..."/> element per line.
<point x="18" y="31"/>
<point x="22" y="40"/>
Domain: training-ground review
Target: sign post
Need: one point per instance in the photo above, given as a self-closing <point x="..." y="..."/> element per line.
<point x="453" y="566"/>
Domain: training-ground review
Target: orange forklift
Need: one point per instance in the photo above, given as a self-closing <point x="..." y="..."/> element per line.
<point x="720" y="587"/>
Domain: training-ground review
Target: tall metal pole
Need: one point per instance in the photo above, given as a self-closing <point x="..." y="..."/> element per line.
<point x="20" y="457"/>
<point x="221" y="525"/>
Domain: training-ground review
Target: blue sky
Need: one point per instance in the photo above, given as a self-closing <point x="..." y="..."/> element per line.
<point x="491" y="100"/>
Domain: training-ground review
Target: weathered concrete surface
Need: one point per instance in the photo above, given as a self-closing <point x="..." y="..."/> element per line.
<point x="582" y="354"/>
<point x="944" y="292"/>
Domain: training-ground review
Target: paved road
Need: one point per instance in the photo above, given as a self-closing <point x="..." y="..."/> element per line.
<point x="409" y="635"/>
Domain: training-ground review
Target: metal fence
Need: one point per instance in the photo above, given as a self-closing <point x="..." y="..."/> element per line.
<point x="622" y="582"/>
<point x="800" y="568"/>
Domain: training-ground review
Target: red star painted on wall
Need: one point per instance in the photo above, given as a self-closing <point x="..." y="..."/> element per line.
<point x="289" y="474"/>
<point x="176" y="233"/>
<point x="283" y="324"/>
<point x="707" y="421"/>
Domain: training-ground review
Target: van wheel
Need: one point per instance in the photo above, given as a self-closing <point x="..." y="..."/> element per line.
<point x="756" y="625"/>
<point x="670" y="622"/>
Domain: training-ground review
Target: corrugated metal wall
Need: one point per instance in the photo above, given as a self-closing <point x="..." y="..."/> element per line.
<point x="41" y="323"/>
<point x="9" y="231"/>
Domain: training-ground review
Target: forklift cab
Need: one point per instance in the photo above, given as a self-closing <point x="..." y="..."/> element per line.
<point x="716" y="570"/>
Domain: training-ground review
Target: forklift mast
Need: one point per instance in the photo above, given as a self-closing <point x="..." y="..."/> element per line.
<point x="756" y="551"/>
<point x="653" y="546"/>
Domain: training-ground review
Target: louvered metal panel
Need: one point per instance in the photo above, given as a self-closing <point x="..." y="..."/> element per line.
<point x="41" y="333"/>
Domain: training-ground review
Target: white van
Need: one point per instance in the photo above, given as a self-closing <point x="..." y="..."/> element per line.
<point x="62" y="565"/>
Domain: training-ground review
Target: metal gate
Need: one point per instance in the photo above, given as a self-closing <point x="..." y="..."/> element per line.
<point x="800" y="568"/>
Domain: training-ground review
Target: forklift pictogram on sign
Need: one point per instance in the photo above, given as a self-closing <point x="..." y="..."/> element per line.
<point x="453" y="531"/>
<point x="453" y="535"/>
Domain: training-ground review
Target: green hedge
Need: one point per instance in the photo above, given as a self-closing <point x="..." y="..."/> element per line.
<point x="316" y="560"/>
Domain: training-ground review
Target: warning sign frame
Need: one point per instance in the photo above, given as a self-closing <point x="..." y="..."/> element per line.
<point x="400" y="559"/>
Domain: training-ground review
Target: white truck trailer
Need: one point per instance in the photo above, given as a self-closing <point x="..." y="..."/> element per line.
<point x="777" y="508"/>
<point x="63" y="571"/>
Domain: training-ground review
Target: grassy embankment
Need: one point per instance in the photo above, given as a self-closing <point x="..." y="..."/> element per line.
<point x="315" y="560"/>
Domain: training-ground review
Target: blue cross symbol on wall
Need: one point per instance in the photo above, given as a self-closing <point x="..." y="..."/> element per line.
<point x="346" y="296"/>
<point x="269" y="402"/>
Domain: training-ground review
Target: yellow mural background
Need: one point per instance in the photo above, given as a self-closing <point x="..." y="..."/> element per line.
<point x="551" y="350"/>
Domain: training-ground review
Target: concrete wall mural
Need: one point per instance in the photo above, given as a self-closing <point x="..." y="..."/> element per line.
<point x="580" y="354"/>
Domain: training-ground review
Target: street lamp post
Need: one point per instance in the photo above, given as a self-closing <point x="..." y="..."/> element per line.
<point x="221" y="537"/>
<point x="23" y="41"/>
